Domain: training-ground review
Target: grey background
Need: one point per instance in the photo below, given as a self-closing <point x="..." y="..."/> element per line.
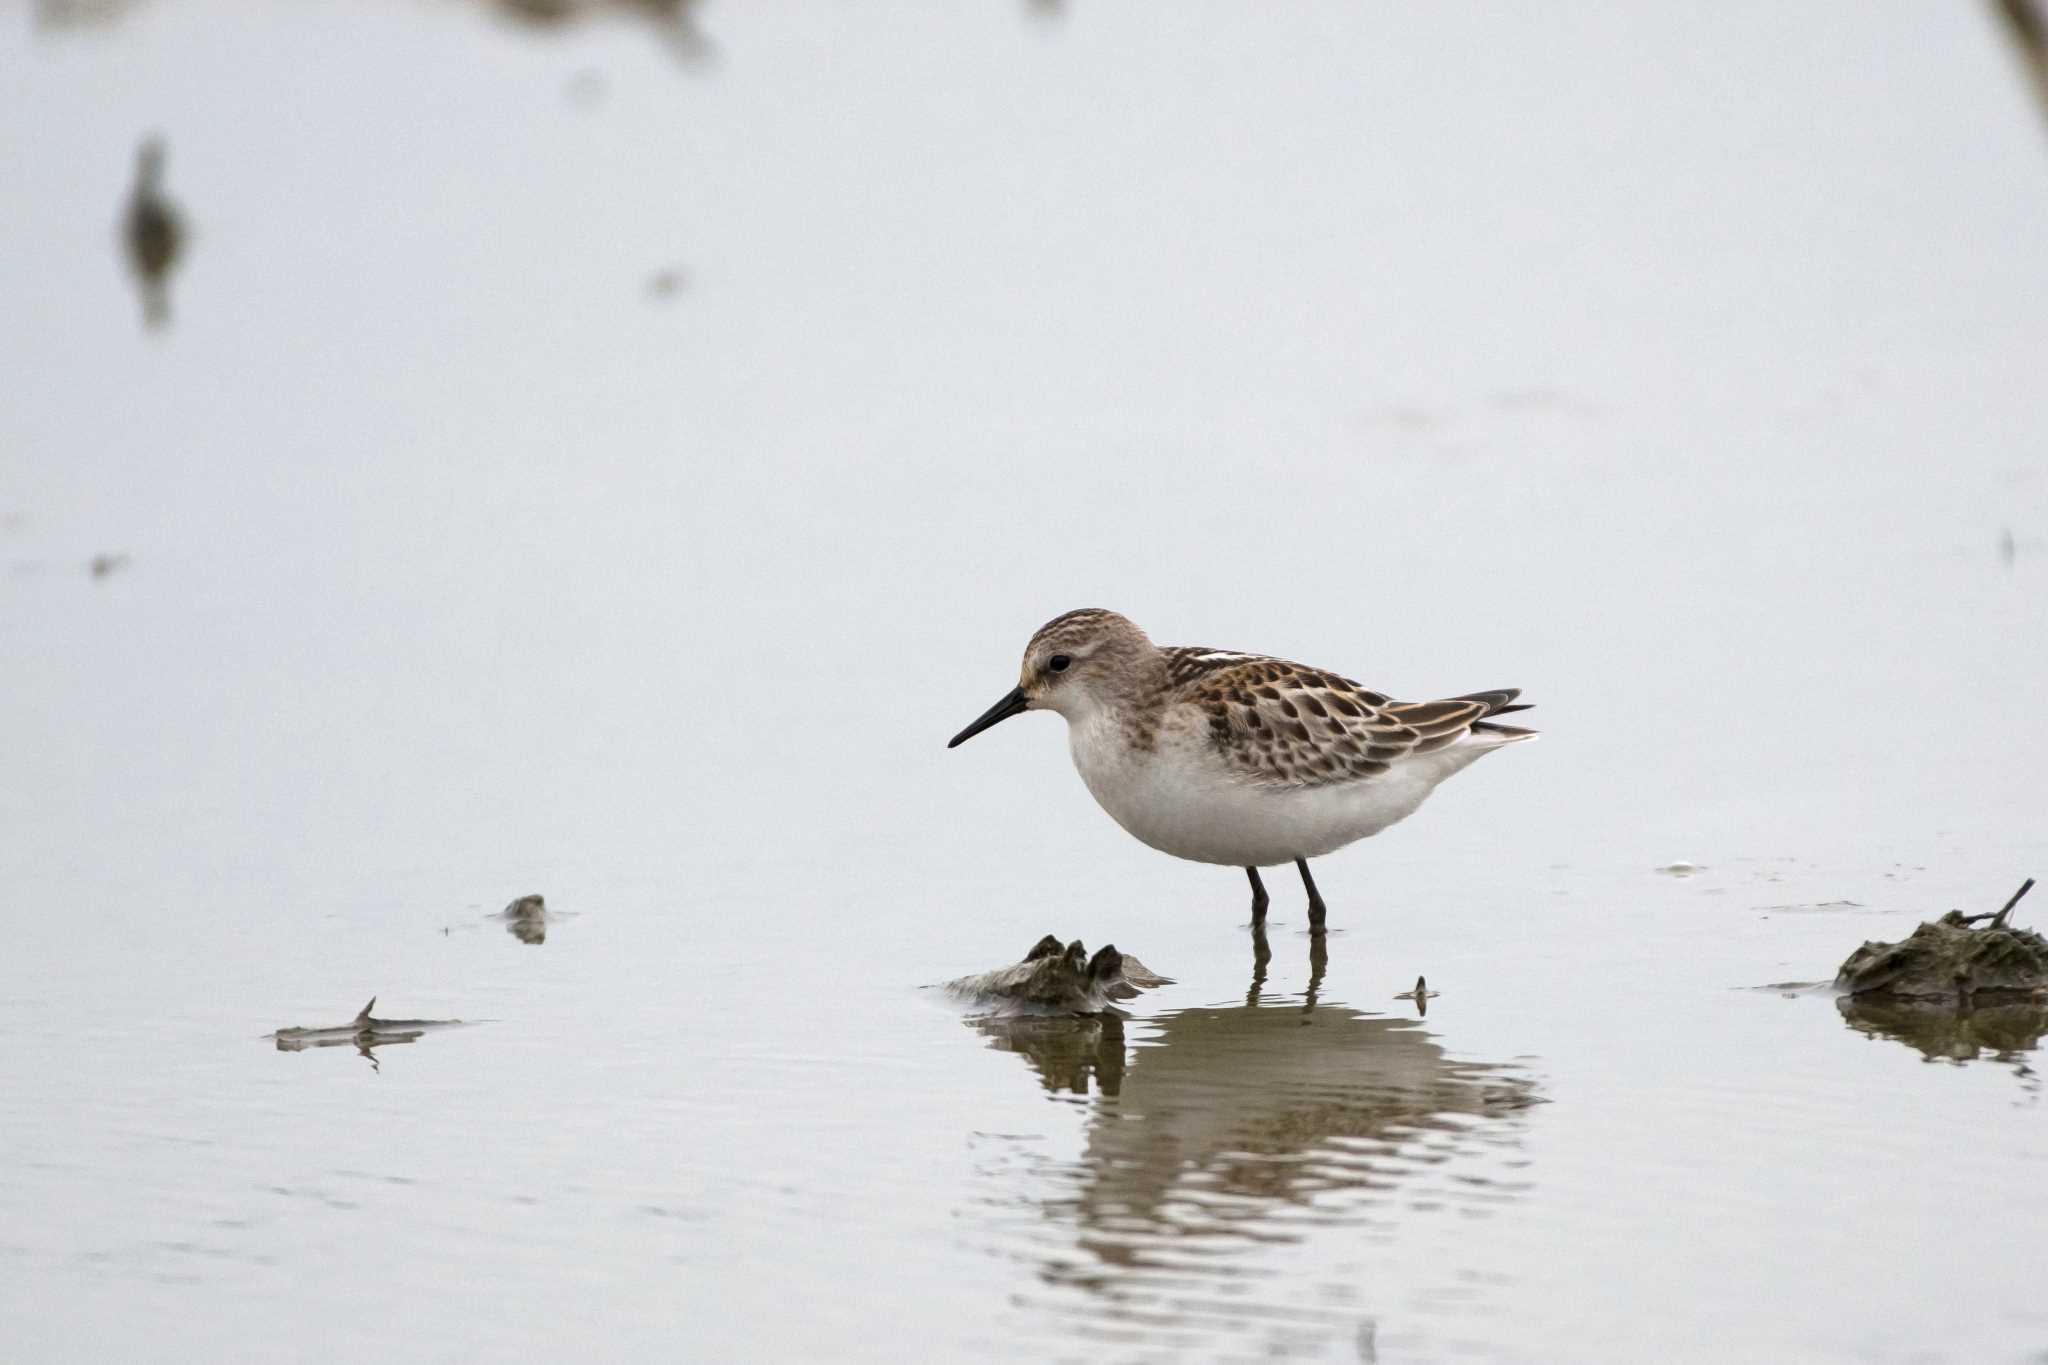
<point x="1680" y="366"/>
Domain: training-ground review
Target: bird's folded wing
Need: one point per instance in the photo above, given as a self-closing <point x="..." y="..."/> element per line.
<point x="1285" y="724"/>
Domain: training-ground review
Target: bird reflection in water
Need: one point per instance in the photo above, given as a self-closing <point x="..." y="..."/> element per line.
<point x="1218" y="1131"/>
<point x="1262" y="958"/>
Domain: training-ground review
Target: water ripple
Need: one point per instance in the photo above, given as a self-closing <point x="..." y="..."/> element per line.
<point x="1218" y="1145"/>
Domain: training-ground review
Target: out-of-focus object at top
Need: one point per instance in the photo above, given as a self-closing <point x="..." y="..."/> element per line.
<point x="2026" y="24"/>
<point x="675" y="20"/>
<point x="80" y="13"/>
<point x="153" y="233"/>
<point x="668" y="282"/>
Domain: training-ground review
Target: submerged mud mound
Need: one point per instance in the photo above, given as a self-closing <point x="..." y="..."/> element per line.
<point x="1051" y="979"/>
<point x="1951" y="962"/>
<point x="526" y="919"/>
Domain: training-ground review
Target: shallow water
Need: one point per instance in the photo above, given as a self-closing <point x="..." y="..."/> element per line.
<point x="582" y="465"/>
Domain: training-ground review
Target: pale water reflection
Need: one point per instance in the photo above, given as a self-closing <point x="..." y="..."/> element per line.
<point x="2004" y="1032"/>
<point x="1070" y="1055"/>
<point x="1220" y="1135"/>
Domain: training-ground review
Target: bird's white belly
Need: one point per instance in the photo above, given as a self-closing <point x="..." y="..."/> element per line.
<point x="1180" y="799"/>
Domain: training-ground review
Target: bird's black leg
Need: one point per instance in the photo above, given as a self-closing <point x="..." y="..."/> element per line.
<point x="1316" y="908"/>
<point x="1259" y="898"/>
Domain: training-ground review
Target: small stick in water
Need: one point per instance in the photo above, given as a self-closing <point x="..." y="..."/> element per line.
<point x="1997" y="917"/>
<point x="1998" y="920"/>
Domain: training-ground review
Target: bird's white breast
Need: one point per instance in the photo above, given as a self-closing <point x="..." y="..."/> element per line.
<point x="1182" y="797"/>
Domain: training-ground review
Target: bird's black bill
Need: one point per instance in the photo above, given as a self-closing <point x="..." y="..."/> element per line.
<point x="1002" y="710"/>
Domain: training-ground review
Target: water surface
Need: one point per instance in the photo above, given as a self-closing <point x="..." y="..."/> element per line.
<point x="583" y="461"/>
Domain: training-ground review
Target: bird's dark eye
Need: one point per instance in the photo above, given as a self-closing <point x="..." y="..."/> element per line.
<point x="1058" y="663"/>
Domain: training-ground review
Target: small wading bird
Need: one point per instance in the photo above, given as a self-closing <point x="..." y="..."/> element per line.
<point x="1239" y="759"/>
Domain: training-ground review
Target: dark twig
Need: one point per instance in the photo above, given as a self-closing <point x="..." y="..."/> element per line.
<point x="1998" y="920"/>
<point x="1997" y="917"/>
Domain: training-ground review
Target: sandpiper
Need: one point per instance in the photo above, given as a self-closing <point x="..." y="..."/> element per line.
<point x="1219" y="756"/>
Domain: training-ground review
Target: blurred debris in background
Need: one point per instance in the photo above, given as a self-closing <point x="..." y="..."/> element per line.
<point x="666" y="283"/>
<point x="2026" y="23"/>
<point x="80" y="13"/>
<point x="152" y="233"/>
<point x="674" y="20"/>
<point x="587" y="88"/>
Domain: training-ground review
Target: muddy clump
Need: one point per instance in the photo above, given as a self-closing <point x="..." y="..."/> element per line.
<point x="1051" y="979"/>
<point x="1952" y="991"/>
<point x="526" y="919"/>
<point x="1951" y="962"/>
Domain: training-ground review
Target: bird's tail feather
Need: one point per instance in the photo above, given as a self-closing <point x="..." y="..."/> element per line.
<point x="1500" y="702"/>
